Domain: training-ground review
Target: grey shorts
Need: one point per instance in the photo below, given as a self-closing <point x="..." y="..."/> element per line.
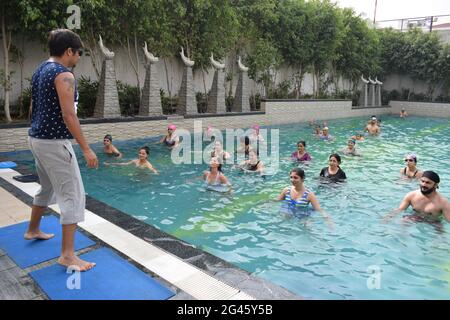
<point x="60" y="178"/>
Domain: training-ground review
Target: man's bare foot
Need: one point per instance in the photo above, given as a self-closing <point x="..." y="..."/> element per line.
<point x="75" y="261"/>
<point x="38" y="235"/>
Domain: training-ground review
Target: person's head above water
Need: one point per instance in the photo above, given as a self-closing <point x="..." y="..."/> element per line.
<point x="296" y="175"/>
<point x="411" y="157"/>
<point x="325" y="130"/>
<point x="172" y="127"/>
<point x="215" y="163"/>
<point x="351" y="142"/>
<point x="429" y="182"/>
<point x="144" y="151"/>
<point x="107" y="138"/>
<point x="334" y="157"/>
<point x="301" y="144"/>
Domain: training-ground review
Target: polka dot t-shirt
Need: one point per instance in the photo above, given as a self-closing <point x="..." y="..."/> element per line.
<point x="46" y="118"/>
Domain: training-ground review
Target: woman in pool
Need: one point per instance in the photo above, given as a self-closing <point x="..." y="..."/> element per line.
<point x="141" y="162"/>
<point x="301" y="155"/>
<point x="411" y="170"/>
<point x="326" y="136"/>
<point x="253" y="164"/>
<point x="215" y="177"/>
<point x="333" y="172"/>
<point x="171" y="139"/>
<point x="297" y="197"/>
<point x="351" y="150"/>
<point x="358" y="137"/>
<point x="109" y="149"/>
<point x="403" y="114"/>
<point x="218" y="152"/>
<point x="245" y="147"/>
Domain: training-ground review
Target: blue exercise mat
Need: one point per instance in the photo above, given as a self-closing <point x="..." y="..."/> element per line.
<point x="113" y="278"/>
<point x="7" y="164"/>
<point x="26" y="253"/>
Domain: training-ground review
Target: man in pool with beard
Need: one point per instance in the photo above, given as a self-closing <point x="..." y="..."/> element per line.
<point x="427" y="203"/>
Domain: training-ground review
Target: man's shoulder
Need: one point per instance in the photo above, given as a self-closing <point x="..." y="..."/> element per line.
<point x="443" y="200"/>
<point x="413" y="194"/>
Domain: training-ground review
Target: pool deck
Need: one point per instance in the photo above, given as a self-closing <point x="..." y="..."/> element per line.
<point x="191" y="273"/>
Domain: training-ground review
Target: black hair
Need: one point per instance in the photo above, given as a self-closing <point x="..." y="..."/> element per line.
<point x="219" y="167"/>
<point x="302" y="142"/>
<point x="59" y="40"/>
<point x="335" y="155"/>
<point x="109" y="137"/>
<point x="300" y="172"/>
<point x="147" y="149"/>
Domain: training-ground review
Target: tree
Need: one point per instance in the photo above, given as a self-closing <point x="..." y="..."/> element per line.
<point x="263" y="62"/>
<point x="98" y="17"/>
<point x="293" y="36"/>
<point x="203" y="27"/>
<point x="324" y="24"/>
<point x="10" y="23"/>
<point x="357" y="51"/>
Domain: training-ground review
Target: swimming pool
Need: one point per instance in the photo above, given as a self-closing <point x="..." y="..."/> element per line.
<point x="407" y="260"/>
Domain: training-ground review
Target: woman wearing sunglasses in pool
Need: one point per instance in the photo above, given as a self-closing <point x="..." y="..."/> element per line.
<point x="171" y="139"/>
<point x="109" y="149"/>
<point x="411" y="170"/>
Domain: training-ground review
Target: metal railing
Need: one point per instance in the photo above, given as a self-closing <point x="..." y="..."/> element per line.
<point x="426" y="23"/>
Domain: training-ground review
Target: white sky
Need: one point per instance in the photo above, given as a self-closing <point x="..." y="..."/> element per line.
<point x="397" y="9"/>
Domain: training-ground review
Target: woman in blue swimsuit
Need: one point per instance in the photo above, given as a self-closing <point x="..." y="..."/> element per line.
<point x="298" y="198"/>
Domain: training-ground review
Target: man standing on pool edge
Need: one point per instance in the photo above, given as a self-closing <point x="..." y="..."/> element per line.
<point x="427" y="203"/>
<point x="53" y="122"/>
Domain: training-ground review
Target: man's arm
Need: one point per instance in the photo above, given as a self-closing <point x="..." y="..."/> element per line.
<point x="65" y="87"/>
<point x="406" y="202"/>
<point x="446" y="210"/>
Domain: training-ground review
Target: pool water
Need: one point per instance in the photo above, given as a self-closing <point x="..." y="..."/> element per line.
<point x="360" y="258"/>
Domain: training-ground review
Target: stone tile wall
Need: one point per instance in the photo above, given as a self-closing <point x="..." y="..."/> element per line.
<point x="276" y="112"/>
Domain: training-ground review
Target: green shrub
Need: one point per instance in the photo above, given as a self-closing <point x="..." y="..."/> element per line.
<point x="24" y="103"/>
<point x="442" y="98"/>
<point x="129" y="99"/>
<point x="229" y="100"/>
<point x="87" y="90"/>
<point x="169" y="106"/>
<point x="255" y="102"/>
<point x="201" y="102"/>
<point x="281" y="91"/>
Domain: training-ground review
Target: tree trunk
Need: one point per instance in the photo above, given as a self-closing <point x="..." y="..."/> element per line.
<point x="137" y="64"/>
<point x="204" y="87"/>
<point x="6" y="37"/>
<point x="314" y="81"/>
<point x="133" y="65"/>
<point x="92" y="46"/>
<point x="20" y="61"/>
<point x="167" y="79"/>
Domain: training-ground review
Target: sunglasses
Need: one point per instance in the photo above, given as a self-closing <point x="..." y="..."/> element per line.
<point x="80" y="51"/>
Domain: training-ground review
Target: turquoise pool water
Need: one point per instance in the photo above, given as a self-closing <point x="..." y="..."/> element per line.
<point x="247" y="229"/>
